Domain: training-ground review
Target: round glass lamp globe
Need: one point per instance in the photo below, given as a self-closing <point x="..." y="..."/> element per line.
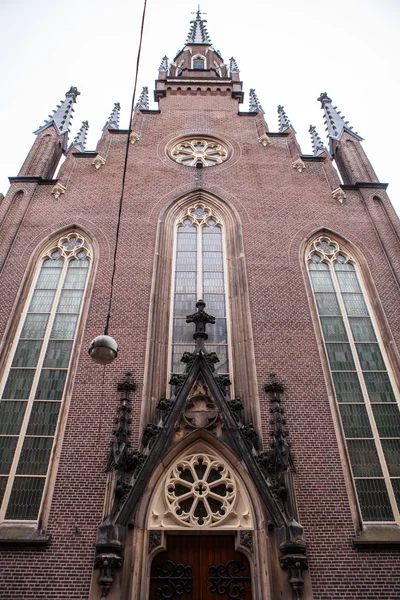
<point x="103" y="349"/>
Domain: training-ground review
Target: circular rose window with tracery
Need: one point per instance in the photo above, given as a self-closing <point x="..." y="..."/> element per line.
<point x="200" y="490"/>
<point x="199" y="152"/>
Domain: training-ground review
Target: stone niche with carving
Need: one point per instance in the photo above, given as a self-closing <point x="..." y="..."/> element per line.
<point x="200" y="491"/>
<point x="199" y="412"/>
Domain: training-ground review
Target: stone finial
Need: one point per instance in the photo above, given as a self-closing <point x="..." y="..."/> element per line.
<point x="80" y="138"/>
<point x="198" y="33"/>
<point x="143" y="102"/>
<point x="233" y="66"/>
<point x="200" y="318"/>
<point x="113" y="119"/>
<point x="335" y="123"/>
<point x="254" y="103"/>
<point x="164" y="65"/>
<point x="62" y="115"/>
<point x="317" y="143"/>
<point x="284" y="122"/>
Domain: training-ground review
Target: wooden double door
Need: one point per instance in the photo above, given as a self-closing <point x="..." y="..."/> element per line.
<point x="200" y="567"/>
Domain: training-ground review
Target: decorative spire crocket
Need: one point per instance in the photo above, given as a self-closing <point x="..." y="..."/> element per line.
<point x="164" y="65"/>
<point x="198" y="33"/>
<point x="62" y="115"/>
<point x="254" y="103"/>
<point x="335" y="123"/>
<point x="200" y="318"/>
<point x="317" y="143"/>
<point x="79" y="142"/>
<point x="284" y="122"/>
<point x="113" y="119"/>
<point x="143" y="101"/>
<point x="233" y="66"/>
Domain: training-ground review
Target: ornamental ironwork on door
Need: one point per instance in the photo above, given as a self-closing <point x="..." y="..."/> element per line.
<point x="228" y="579"/>
<point x="172" y="580"/>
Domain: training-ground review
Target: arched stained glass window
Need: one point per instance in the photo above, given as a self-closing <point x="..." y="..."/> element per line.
<point x="365" y="391"/>
<point x="199" y="273"/>
<point x="33" y="386"/>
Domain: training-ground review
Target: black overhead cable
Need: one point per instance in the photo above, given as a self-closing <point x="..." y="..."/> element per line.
<point x="124" y="171"/>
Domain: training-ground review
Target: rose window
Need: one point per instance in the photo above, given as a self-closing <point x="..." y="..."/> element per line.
<point x="199" y="153"/>
<point x="200" y="491"/>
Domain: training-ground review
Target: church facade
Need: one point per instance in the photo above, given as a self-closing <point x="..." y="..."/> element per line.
<point x="245" y="443"/>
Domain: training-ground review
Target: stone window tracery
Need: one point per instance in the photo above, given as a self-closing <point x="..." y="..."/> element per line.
<point x="364" y="387"/>
<point x="204" y="152"/>
<point x="32" y="389"/>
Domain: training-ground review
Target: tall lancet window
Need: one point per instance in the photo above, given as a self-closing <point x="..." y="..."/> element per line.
<point x="365" y="390"/>
<point x="199" y="273"/>
<point x="32" y="389"/>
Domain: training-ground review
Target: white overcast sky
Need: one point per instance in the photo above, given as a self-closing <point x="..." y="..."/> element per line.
<point x="289" y="51"/>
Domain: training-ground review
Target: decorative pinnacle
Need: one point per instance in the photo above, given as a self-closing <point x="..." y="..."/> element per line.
<point x="143" y="101"/>
<point x="164" y="65"/>
<point x="62" y="115"/>
<point x="200" y="318"/>
<point x="113" y="119"/>
<point x="198" y="33"/>
<point x="335" y="123"/>
<point x="254" y="103"/>
<point x="284" y="122"/>
<point x="80" y="138"/>
<point x="233" y="67"/>
<point x="317" y="143"/>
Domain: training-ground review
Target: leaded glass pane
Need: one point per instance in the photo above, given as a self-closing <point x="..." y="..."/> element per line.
<point x="364" y="458"/>
<point x="43" y="418"/>
<point x="212" y="242"/>
<point x="7" y="449"/>
<point x="185" y="282"/>
<point x="213" y="283"/>
<point x="185" y="304"/>
<point x="75" y="279"/>
<point x="222" y="353"/>
<point x="342" y="265"/>
<point x="187" y="241"/>
<point x="51" y="385"/>
<point x="25" y="498"/>
<point x="3" y="485"/>
<point x="215" y="304"/>
<point x="48" y="278"/>
<point x="34" y="326"/>
<point x="333" y="329"/>
<point x="58" y="354"/>
<point x="355" y="421"/>
<point x="347" y="387"/>
<point x="54" y="261"/>
<point x="321" y="281"/>
<point x="370" y="357"/>
<point x="82" y="263"/>
<point x="70" y="301"/>
<point x="327" y="304"/>
<point x="362" y="329"/>
<point x="186" y="261"/>
<point x="19" y="383"/>
<point x="35" y="455"/>
<point x="217" y="333"/>
<point x="379" y="387"/>
<point x="387" y="419"/>
<point x="340" y="357"/>
<point x="355" y="305"/>
<point x="213" y="261"/>
<point x="396" y="489"/>
<point x="374" y="500"/>
<point x="27" y="353"/>
<point x="177" y="351"/>
<point x="182" y="332"/>
<point x="64" y="327"/>
<point x="348" y="281"/>
<point x="391" y="450"/>
<point x="11" y="417"/>
<point x="42" y="301"/>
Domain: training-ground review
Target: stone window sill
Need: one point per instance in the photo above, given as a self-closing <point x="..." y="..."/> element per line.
<point x="22" y="535"/>
<point x="378" y="535"/>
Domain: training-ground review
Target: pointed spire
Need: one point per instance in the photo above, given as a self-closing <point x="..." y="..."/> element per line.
<point x="254" y="103"/>
<point x="284" y="122"/>
<point x="233" y="67"/>
<point x="62" y="115"/>
<point x="113" y="119"/>
<point x="317" y="143"/>
<point x="143" y="101"/>
<point x="335" y="123"/>
<point x="80" y="138"/>
<point x="164" y="65"/>
<point x="198" y="33"/>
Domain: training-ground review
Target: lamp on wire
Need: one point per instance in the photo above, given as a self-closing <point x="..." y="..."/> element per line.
<point x="104" y="349"/>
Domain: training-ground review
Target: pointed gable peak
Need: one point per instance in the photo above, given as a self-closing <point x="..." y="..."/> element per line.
<point x="79" y="142"/>
<point x="317" y="143"/>
<point x="143" y="102"/>
<point x="113" y="119"/>
<point x="198" y="33"/>
<point x="62" y="115"/>
<point x="284" y="122"/>
<point x="335" y="122"/>
<point x="254" y="103"/>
